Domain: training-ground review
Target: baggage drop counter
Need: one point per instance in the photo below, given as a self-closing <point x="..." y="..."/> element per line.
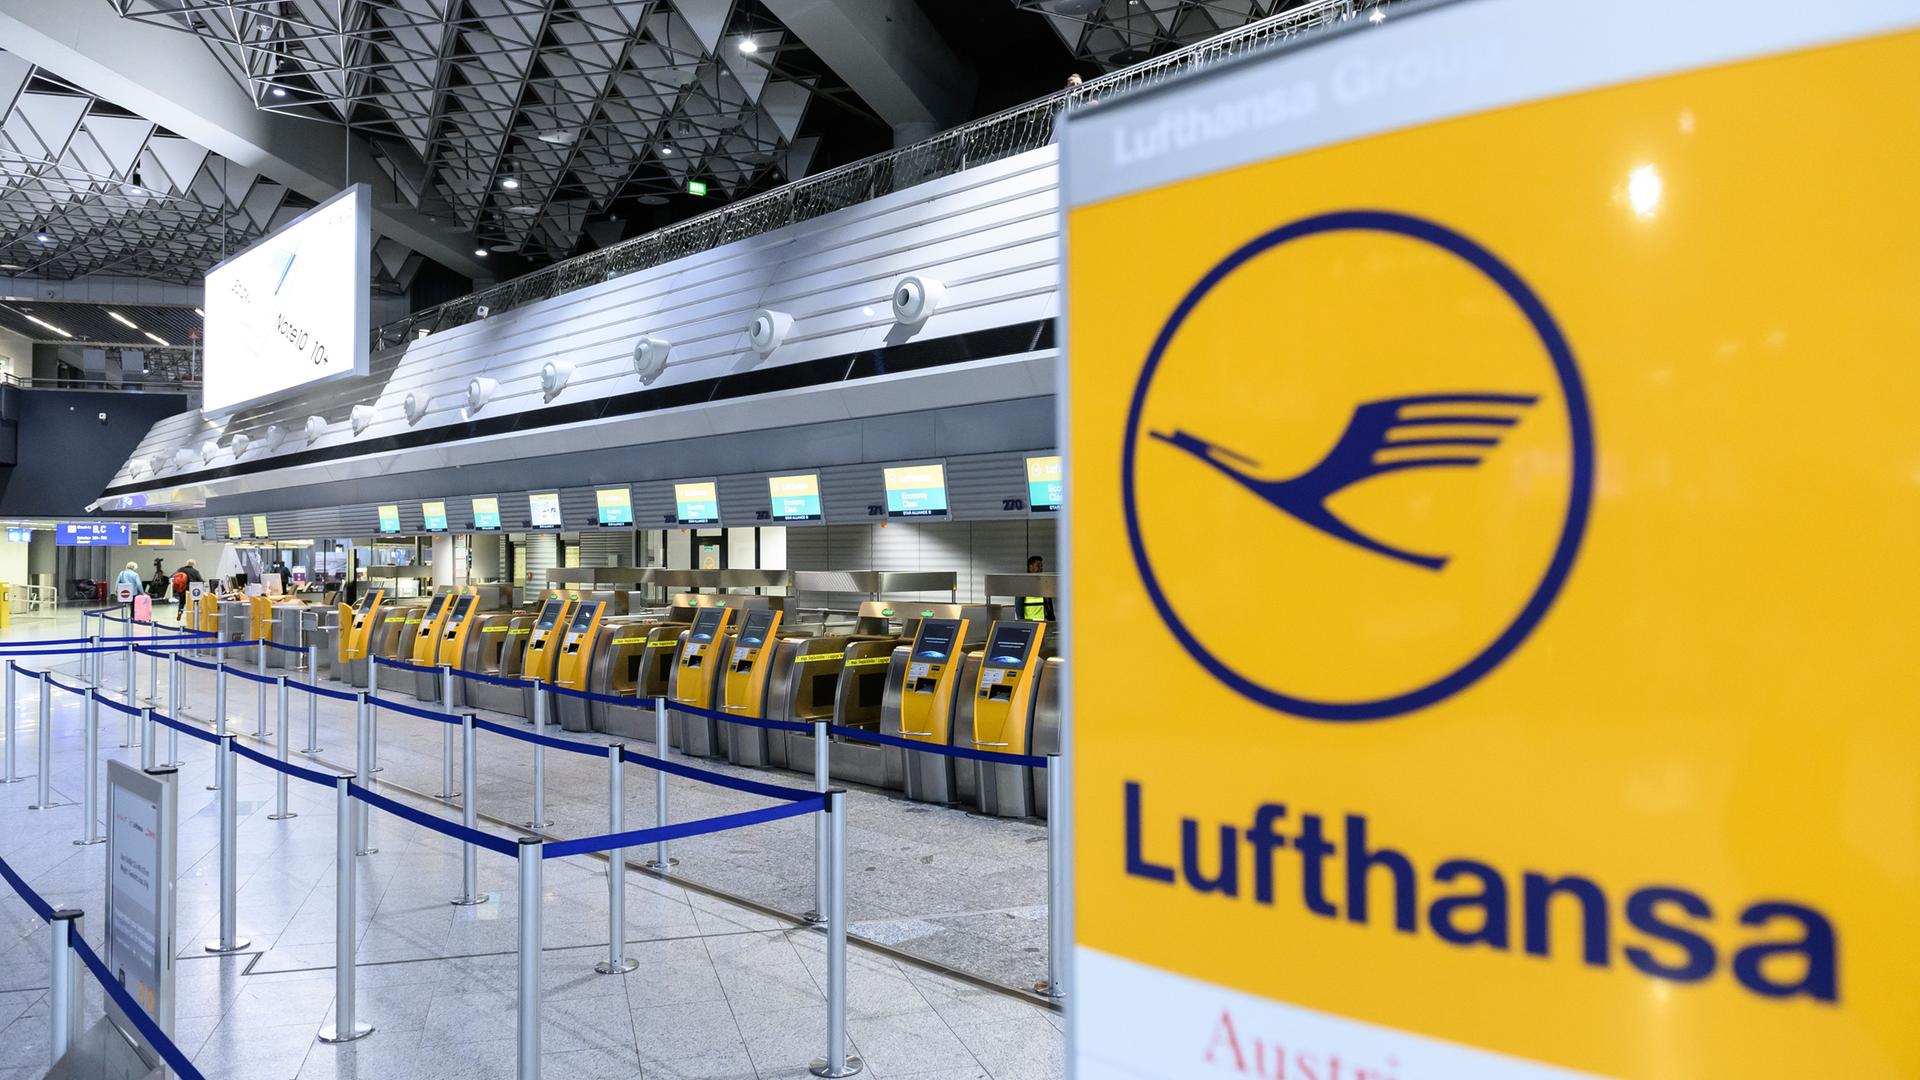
<point x="391" y="636"/>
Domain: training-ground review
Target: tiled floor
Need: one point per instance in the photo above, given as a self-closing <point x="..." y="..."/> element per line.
<point x="721" y="991"/>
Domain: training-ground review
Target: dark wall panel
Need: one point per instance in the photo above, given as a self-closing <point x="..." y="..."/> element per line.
<point x="65" y="453"/>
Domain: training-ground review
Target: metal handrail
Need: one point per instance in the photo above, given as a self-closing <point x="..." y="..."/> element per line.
<point x="993" y="138"/>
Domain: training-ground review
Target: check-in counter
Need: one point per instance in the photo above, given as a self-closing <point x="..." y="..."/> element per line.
<point x="634" y="660"/>
<point x="391" y="638"/>
<point x="284" y="629"/>
<point x="236" y="620"/>
<point x="497" y="646"/>
<point x="445" y="650"/>
<point x="320" y="627"/>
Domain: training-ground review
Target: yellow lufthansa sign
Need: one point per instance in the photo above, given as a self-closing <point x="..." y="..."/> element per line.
<point x="1558" y="393"/>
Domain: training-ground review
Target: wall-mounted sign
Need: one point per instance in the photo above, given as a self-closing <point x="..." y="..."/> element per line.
<point x="614" y="506"/>
<point x="234" y="529"/>
<point x="389" y="518"/>
<point x="486" y="513"/>
<point x="153" y="534"/>
<point x="91" y="534"/>
<point x="794" y="498"/>
<point x="696" y="502"/>
<point x="543" y="510"/>
<point x="19" y="536"/>
<point x="917" y="491"/>
<point x="259" y="526"/>
<point x="1043" y="484"/>
<point x="433" y="515"/>
<point x="142" y="816"/>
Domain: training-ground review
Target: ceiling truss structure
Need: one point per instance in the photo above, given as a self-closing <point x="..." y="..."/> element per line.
<point x="523" y="117"/>
<point x="86" y="187"/>
<point x="1117" y="33"/>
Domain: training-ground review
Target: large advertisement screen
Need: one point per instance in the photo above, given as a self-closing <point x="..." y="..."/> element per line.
<point x="291" y="310"/>
<point x="917" y="491"/>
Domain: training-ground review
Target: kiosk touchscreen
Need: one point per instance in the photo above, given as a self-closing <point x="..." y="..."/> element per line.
<point x="541" y="653"/>
<point x="570" y="667"/>
<point x="693" y="684"/>
<point x="752" y="658"/>
<point x="459" y="622"/>
<point x="357" y="625"/>
<point x="427" y="639"/>
<point x="926" y="701"/>
<point x="1003" y="698"/>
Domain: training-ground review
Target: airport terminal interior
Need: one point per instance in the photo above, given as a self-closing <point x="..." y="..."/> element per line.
<point x="988" y="540"/>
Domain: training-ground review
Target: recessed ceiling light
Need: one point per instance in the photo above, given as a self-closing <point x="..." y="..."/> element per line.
<point x="200" y="313"/>
<point x="480" y="252"/>
<point x="122" y="320"/>
<point x="666" y="151"/>
<point x="509" y="183"/>
<point x="502" y="249"/>
<point x="523" y="208"/>
<point x="44" y="238"/>
<point x="279" y="91"/>
<point x="48" y="325"/>
<point x="157" y="339"/>
<point x="747" y="45"/>
<point x="11" y="266"/>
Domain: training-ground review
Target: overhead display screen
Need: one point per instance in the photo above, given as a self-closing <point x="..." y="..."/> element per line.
<point x="91" y="534"/>
<point x="486" y="513"/>
<point x="795" y="498"/>
<point x="696" y="502"/>
<point x="19" y="536"/>
<point x="234" y="531"/>
<point x="1043" y="484"/>
<point x="291" y="310"/>
<point x="543" y="510"/>
<point x="390" y="518"/>
<point x="915" y="491"/>
<point x="259" y="526"/>
<point x="434" y="514"/>
<point x="614" y="506"/>
<point x="158" y="534"/>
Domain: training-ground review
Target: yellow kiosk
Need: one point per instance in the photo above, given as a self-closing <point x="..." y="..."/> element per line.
<point x="744" y="685"/>
<point x="927" y="701"/>
<point x="424" y="647"/>
<point x="570" y="663"/>
<point x="696" y="678"/>
<point x="356" y="625"/>
<point x="542" y="645"/>
<point x="1005" y="693"/>
<point x="451" y="642"/>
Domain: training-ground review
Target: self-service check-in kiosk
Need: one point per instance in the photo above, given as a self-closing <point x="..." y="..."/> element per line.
<point x="449" y="643"/>
<point x="356" y="634"/>
<point x="743" y="685"/>
<point x="634" y="658"/>
<point x="928" y="693"/>
<point x="998" y="715"/>
<point x="570" y="667"/>
<point x="696" y="679"/>
<point x="503" y="644"/>
<point x="426" y="644"/>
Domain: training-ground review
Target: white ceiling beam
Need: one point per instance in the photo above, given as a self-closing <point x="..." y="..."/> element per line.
<point x="891" y="55"/>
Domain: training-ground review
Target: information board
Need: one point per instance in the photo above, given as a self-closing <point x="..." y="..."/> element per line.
<point x="1043" y="484"/>
<point x="259" y="526"/>
<point x="696" y="502"/>
<point x="613" y="506"/>
<point x="141" y="817"/>
<point x="19" y="536"/>
<point x="486" y="513"/>
<point x="234" y="530"/>
<point x="390" y="518"/>
<point x="543" y="510"/>
<point x="1549" y="366"/>
<point x="917" y="491"/>
<point x="153" y="534"/>
<point x="91" y="534"/>
<point x="794" y="499"/>
<point x="433" y="515"/>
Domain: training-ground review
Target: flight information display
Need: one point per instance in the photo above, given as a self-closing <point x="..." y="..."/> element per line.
<point x="259" y="526"/>
<point x="1043" y="484"/>
<point x="91" y="534"/>
<point x="156" y="534"/>
<point x="936" y="640"/>
<point x="291" y="310"/>
<point x="915" y="491"/>
<point x="233" y="529"/>
<point x="486" y="513"/>
<point x="434" y="515"/>
<point x="543" y="510"/>
<point x="614" y="506"/>
<point x="795" y="498"/>
<point x="390" y="518"/>
<point x="696" y="502"/>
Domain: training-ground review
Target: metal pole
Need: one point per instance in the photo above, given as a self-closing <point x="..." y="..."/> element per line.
<point x="837" y="1063"/>
<point x="45" y="745"/>
<point x="219" y="710"/>
<point x="128" y="685"/>
<point x="90" y="784"/>
<point x="470" y="893"/>
<point x="660" y="861"/>
<point x="260" y="709"/>
<point x="529" y="990"/>
<point x="230" y="940"/>
<point x="446" y="737"/>
<point x="616" y="962"/>
<point x="362" y="754"/>
<point x="153" y="671"/>
<point x="345" y="1027"/>
<point x="373" y="691"/>
<point x="820" y="837"/>
<point x="66" y="1003"/>
<point x="126" y="726"/>
<point x="146" y="738"/>
<point x="10" y="775"/>
<point x="1059" y="882"/>
<point x="280" y="811"/>
<point x="91" y="669"/>
<point x="173" y="709"/>
<point x="313" y="701"/>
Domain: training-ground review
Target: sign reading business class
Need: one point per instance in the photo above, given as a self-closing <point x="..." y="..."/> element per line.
<point x="1509" y="743"/>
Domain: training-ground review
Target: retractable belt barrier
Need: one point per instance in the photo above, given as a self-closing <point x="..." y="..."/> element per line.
<point x="193" y="730"/>
<point x="560" y="849"/>
<point x="572" y="746"/>
<point x="437" y="824"/>
<point x="321" y="691"/>
<point x="116" y="706"/>
<point x="310" y="776"/>
<point x="1031" y="761"/>
<point x="412" y="710"/>
<point x="242" y="673"/>
<point x="497" y="680"/>
<point x="401" y="665"/>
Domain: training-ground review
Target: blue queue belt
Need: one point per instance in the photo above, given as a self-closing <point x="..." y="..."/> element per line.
<point x="610" y="699"/>
<point x="203" y="665"/>
<point x="569" y="745"/>
<point x="337" y="695"/>
<point x="402" y="665"/>
<point x="1031" y="761"/>
<point x="171" y="1054"/>
<point x="115" y="705"/>
<point x="497" y="680"/>
<point x="64" y="652"/>
<point x="250" y="676"/>
<point x="424" y="714"/>
<point x="748" y="721"/>
<point x="560" y="849"/>
<point x="187" y="729"/>
<point x="34" y="903"/>
<point x="57" y="684"/>
<point x="753" y="787"/>
<point x="439" y="825"/>
<point x="295" y="771"/>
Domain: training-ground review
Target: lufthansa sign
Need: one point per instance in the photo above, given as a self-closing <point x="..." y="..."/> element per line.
<point x="1493" y="486"/>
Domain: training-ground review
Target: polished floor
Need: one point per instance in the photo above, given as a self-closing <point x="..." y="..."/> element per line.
<point x="721" y="990"/>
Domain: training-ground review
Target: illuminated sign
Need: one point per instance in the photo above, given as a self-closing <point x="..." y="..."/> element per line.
<point x="389" y="518"/>
<point x="1043" y="484"/>
<point x="92" y="534"/>
<point x="19" y="536"/>
<point x="917" y="491"/>
<point x="486" y="513"/>
<point x="614" y="506"/>
<point x="794" y="498"/>
<point x="234" y="530"/>
<point x="259" y="526"/>
<point x="696" y="502"/>
<point x="543" y="510"/>
<point x="434" y="515"/>
<point x="153" y="534"/>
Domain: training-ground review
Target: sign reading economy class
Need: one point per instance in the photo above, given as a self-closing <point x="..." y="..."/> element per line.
<point x="1577" y="736"/>
<point x="917" y="491"/>
<point x="794" y="499"/>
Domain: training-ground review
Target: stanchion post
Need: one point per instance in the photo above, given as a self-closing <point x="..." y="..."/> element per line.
<point x="1059" y="882"/>
<point x="91" y="669"/>
<point x="90" y="784"/>
<point x="146" y="737"/>
<point x="537" y="716"/>
<point x="219" y="711"/>
<point x="230" y="940"/>
<point x="617" y="962"/>
<point x="10" y="775"/>
<point x="446" y="736"/>
<point x="362" y="754"/>
<point x="373" y="727"/>
<point x="660" y="861"/>
<point x="836" y="1063"/>
<point x="820" y="837"/>
<point x="127" y="740"/>
<point x="45" y="745"/>
<point x="66" y="1003"/>
<point x="528" y="1003"/>
<point x="280" y="811"/>
<point x="470" y="893"/>
<point x="153" y="671"/>
<point x="260" y="708"/>
<point x="346" y="1027"/>
<point x="313" y="701"/>
<point x="173" y="709"/>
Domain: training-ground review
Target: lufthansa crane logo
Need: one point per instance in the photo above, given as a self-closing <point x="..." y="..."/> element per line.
<point x="1358" y="466"/>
